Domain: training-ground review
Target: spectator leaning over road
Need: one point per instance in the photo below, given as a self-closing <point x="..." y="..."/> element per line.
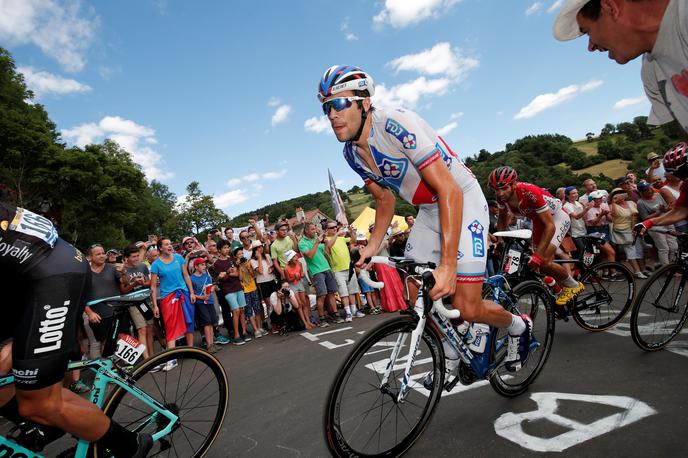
<point x="313" y="249"/>
<point x="670" y="192"/>
<point x="106" y="281"/>
<point x="205" y="308"/>
<point x="251" y="294"/>
<point x="652" y="205"/>
<point x="175" y="294"/>
<point x="296" y="278"/>
<point x="284" y="241"/>
<point x="590" y="186"/>
<point x="624" y="217"/>
<point x="576" y="211"/>
<point x="337" y="249"/>
<point x="230" y="286"/>
<point x="141" y="317"/>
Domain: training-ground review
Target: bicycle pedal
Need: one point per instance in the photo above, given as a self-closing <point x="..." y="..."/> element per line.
<point x="466" y="375"/>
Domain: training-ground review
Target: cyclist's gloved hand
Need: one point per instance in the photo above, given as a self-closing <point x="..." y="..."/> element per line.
<point x="535" y="262"/>
<point x="640" y="228"/>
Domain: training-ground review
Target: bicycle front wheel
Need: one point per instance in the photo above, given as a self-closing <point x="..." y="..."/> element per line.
<point x="660" y="310"/>
<point x="608" y="294"/>
<point x="195" y="389"/>
<point x="363" y="417"/>
<point x="534" y="300"/>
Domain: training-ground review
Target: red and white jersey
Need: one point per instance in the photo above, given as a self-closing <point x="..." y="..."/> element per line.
<point x="402" y="145"/>
<point x="531" y="201"/>
<point x="682" y="200"/>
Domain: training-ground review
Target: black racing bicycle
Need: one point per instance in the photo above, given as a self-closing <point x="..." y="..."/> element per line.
<point x="661" y="309"/>
<point x="609" y="286"/>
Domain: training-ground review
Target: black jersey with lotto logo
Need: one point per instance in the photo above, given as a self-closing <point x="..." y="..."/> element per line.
<point x="25" y="238"/>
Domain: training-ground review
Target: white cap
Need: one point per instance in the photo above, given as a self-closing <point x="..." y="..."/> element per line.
<point x="597" y="194"/>
<point x="256" y="244"/>
<point x="360" y="237"/>
<point x="289" y="255"/>
<point x="566" y="25"/>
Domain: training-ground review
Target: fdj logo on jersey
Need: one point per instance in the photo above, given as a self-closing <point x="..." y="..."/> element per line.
<point x="478" y="241"/>
<point x="407" y="139"/>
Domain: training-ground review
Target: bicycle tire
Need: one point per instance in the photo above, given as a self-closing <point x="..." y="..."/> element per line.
<point x="589" y="310"/>
<point x="346" y="429"/>
<point x="646" y="310"/>
<point x="536" y="301"/>
<point x="188" y="360"/>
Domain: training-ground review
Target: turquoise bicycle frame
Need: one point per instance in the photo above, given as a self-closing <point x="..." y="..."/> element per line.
<point x="105" y="375"/>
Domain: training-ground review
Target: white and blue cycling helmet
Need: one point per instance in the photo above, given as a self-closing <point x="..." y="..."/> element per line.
<point x="340" y="78"/>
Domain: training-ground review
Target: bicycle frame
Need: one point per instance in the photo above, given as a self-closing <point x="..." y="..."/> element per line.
<point x="105" y="375"/>
<point x="480" y="364"/>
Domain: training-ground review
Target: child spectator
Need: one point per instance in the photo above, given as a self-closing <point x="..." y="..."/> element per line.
<point x="296" y="279"/>
<point x="139" y="277"/>
<point x="205" y="307"/>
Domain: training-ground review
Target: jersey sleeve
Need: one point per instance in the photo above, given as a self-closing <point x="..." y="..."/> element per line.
<point x="415" y="138"/>
<point x="682" y="200"/>
<point x="533" y="197"/>
<point x="350" y="157"/>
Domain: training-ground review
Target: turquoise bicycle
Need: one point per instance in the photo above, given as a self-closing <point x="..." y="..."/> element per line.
<point x="181" y="405"/>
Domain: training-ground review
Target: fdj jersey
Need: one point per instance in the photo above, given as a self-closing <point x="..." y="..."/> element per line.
<point x="402" y="145"/>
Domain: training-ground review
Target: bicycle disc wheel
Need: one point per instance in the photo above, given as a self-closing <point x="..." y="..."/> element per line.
<point x="536" y="302"/>
<point x="660" y="310"/>
<point x="196" y="390"/>
<point x="362" y="417"/>
<point x="604" y="303"/>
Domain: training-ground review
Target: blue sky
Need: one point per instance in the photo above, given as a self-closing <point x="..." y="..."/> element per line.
<point x="224" y="92"/>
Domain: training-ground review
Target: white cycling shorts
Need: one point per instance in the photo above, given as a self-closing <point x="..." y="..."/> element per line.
<point x="425" y="241"/>
<point x="562" y="224"/>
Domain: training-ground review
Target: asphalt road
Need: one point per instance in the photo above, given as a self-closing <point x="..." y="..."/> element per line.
<point x="598" y="395"/>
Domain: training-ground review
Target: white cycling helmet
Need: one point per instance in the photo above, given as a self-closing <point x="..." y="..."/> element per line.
<point x="340" y="78"/>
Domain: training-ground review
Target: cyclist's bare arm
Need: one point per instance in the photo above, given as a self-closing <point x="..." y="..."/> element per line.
<point x="384" y="212"/>
<point x="674" y="215"/>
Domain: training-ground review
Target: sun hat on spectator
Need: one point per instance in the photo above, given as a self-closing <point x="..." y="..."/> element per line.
<point x="360" y="237"/>
<point x="597" y="194"/>
<point x="112" y="251"/>
<point x="621" y="180"/>
<point x="616" y="191"/>
<point x="566" y="26"/>
<point x="289" y="255"/>
<point x="396" y="231"/>
<point x="652" y="156"/>
<point x="198" y="261"/>
<point x="186" y="239"/>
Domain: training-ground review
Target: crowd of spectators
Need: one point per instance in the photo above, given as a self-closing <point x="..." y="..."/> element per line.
<point x="235" y="288"/>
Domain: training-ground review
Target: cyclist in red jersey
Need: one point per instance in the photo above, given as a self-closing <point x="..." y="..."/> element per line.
<point x="676" y="164"/>
<point x="550" y="224"/>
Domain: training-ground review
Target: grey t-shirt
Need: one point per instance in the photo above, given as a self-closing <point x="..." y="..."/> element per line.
<point x="140" y="270"/>
<point x="648" y="207"/>
<point x="104" y="284"/>
<point x="665" y="69"/>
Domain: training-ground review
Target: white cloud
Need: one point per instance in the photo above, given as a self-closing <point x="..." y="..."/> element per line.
<point x="441" y="59"/>
<point x="534" y="8"/>
<point x="348" y="34"/>
<point x="456" y="115"/>
<point x="556" y="5"/>
<point x="255" y="176"/>
<point x="58" y="28"/>
<point x="319" y="124"/>
<point x="552" y="99"/>
<point x="401" y="13"/>
<point x="273" y="102"/>
<point x="43" y="83"/>
<point x="230" y="198"/>
<point x="448" y="128"/>
<point x="281" y="114"/>
<point x="623" y="103"/>
<point x="129" y="135"/>
<point x="408" y="94"/>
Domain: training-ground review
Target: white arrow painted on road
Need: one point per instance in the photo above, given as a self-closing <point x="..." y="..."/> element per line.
<point x="510" y="425"/>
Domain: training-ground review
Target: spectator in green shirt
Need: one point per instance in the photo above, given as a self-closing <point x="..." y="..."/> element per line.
<point x="285" y="240"/>
<point x="312" y="248"/>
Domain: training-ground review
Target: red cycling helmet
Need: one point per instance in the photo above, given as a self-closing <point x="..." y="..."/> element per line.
<point x="675" y="160"/>
<point x="501" y="177"/>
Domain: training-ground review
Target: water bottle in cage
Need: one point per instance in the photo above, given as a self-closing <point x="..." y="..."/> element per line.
<point x="478" y="337"/>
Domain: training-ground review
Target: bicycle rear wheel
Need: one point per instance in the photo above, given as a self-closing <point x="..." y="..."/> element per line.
<point x="660" y="310"/>
<point x="604" y="302"/>
<point x="534" y="300"/>
<point x="196" y="390"/>
<point x="362" y="417"/>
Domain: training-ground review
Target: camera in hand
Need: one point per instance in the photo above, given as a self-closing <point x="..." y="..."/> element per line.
<point x="285" y="291"/>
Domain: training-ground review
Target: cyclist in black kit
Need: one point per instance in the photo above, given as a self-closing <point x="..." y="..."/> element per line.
<point x="45" y="283"/>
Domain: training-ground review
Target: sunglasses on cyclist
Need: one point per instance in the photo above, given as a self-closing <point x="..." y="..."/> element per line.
<point x="339" y="104"/>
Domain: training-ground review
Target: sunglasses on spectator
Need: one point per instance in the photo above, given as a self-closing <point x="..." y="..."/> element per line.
<point x="339" y="104"/>
<point x="190" y="242"/>
<point x="244" y="237"/>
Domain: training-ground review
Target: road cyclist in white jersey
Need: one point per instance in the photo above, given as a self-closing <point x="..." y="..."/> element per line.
<point x="394" y="149"/>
